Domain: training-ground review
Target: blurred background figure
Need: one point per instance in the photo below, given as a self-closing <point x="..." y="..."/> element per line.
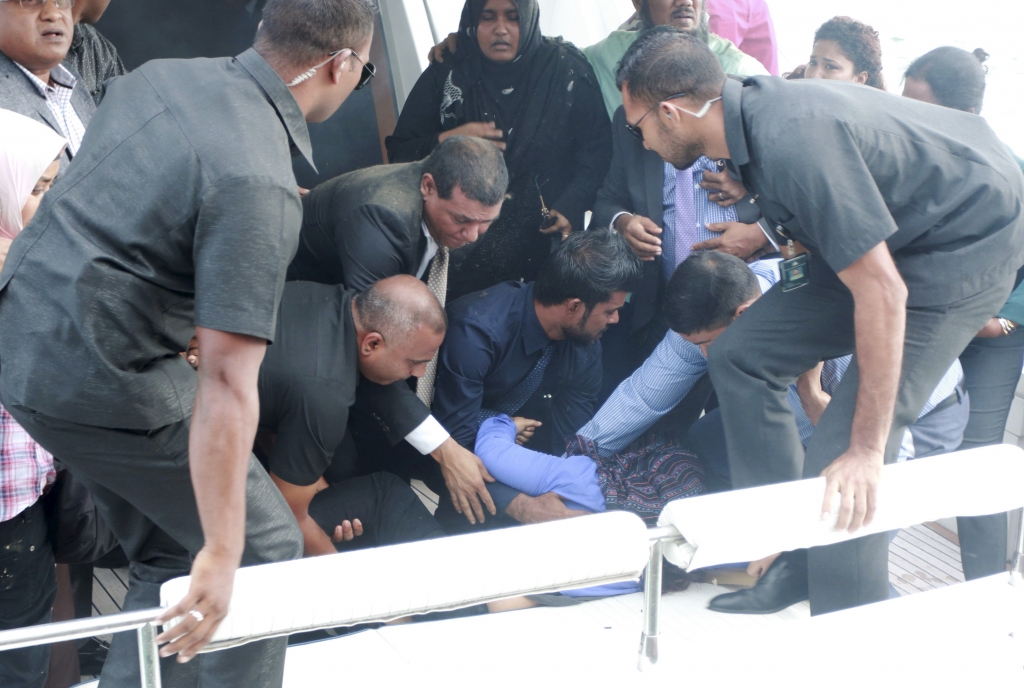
<point x="29" y="158"/>
<point x="748" y="24"/>
<point x="92" y="56"/>
<point x="954" y="78"/>
<point x="844" y="49"/>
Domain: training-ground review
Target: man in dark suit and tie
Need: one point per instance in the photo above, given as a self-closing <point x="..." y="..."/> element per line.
<point x="664" y="214"/>
<point x="375" y="223"/>
<point x="34" y="39"/>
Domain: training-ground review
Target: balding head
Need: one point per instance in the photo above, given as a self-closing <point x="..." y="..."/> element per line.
<point x="399" y="327"/>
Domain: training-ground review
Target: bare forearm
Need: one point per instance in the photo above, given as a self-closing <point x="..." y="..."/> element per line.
<point x="223" y="427"/>
<point x="880" y="355"/>
<point x="880" y="321"/>
<point x="315" y="540"/>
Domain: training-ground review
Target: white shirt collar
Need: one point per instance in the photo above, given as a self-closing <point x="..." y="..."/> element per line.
<point x="60" y="75"/>
<point x="429" y="254"/>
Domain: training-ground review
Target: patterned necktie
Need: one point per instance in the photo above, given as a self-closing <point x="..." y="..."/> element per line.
<point x="515" y="398"/>
<point x="437" y="283"/>
<point x="686" y="215"/>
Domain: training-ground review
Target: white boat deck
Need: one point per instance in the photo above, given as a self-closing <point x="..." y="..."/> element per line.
<point x="953" y="636"/>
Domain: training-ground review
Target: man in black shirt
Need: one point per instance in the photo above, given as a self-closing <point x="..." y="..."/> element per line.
<point x="901" y="224"/>
<point x="91" y="55"/>
<point x="179" y="216"/>
<point x="327" y="339"/>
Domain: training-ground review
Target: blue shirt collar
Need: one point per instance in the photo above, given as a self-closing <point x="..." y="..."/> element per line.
<point x="534" y="336"/>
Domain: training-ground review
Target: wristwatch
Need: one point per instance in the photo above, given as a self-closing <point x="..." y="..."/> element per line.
<point x="1008" y="326"/>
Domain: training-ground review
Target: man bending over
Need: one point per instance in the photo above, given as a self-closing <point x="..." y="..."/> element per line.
<point x="328" y="341"/>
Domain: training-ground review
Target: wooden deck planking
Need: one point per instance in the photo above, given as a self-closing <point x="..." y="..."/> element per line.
<point x="947" y="554"/>
<point x="923" y="559"/>
<point x="924" y="565"/>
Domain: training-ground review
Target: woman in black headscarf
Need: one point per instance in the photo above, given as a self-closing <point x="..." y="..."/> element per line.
<point x="537" y="99"/>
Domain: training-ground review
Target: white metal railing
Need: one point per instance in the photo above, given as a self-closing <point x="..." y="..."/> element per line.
<point x="566" y="554"/>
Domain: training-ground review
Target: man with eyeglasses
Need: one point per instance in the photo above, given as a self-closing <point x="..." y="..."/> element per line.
<point x="651" y="204"/>
<point x="902" y="232"/>
<point x="179" y="216"/>
<point x="35" y="36"/>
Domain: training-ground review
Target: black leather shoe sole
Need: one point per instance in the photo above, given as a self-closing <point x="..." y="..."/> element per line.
<point x="748" y="610"/>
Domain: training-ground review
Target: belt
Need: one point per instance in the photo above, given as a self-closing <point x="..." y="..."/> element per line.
<point x="949" y="402"/>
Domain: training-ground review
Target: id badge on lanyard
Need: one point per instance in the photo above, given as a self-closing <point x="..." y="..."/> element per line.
<point x="795" y="268"/>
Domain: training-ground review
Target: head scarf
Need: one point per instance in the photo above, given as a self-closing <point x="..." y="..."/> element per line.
<point x="27" y="148"/>
<point x="502" y="82"/>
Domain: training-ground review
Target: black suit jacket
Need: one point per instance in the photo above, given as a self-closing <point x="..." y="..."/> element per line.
<point x="362" y="227"/>
<point x="635" y="184"/>
<point x="358" y="229"/>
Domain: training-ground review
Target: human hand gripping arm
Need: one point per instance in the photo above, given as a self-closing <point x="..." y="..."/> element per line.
<point x="224" y="422"/>
<point x="880" y="303"/>
<point x="464" y="475"/>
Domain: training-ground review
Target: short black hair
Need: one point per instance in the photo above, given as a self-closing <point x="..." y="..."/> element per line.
<point x="588" y="266"/>
<point x="956" y="77"/>
<point x="665" y="61"/>
<point x="474" y="165"/>
<point x="396" y="314"/>
<point x="303" y="32"/>
<point x="705" y="291"/>
<point x="859" y="42"/>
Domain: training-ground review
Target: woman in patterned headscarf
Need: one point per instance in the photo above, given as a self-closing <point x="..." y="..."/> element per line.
<point x="537" y="99"/>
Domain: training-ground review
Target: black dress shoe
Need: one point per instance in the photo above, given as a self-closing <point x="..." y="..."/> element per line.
<point x="782" y="585"/>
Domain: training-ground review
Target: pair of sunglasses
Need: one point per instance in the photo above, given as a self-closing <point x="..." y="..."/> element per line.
<point x="369" y="70"/>
<point x="634" y="129"/>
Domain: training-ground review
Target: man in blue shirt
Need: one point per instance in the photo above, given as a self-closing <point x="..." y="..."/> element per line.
<point x="530" y="350"/>
<point x="707" y="293"/>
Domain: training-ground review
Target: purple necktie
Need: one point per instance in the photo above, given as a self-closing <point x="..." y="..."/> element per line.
<point x="686" y="215"/>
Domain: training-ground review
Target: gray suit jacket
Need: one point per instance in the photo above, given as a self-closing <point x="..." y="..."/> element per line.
<point x="635" y="184"/>
<point x="20" y="95"/>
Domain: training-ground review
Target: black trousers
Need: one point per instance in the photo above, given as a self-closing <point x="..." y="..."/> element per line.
<point x="786" y="333"/>
<point x="389" y="510"/>
<point x="142" y="487"/>
<point x="991" y="372"/>
<point x="28" y="587"/>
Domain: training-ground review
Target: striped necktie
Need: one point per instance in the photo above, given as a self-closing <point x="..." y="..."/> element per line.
<point x="437" y="283"/>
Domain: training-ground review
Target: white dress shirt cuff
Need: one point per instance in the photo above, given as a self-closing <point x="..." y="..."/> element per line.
<point x="763" y="224"/>
<point x="617" y="216"/>
<point x="428" y="436"/>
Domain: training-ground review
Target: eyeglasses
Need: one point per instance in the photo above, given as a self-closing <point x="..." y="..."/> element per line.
<point x="634" y="129"/>
<point x="369" y="71"/>
<point x="39" y="4"/>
